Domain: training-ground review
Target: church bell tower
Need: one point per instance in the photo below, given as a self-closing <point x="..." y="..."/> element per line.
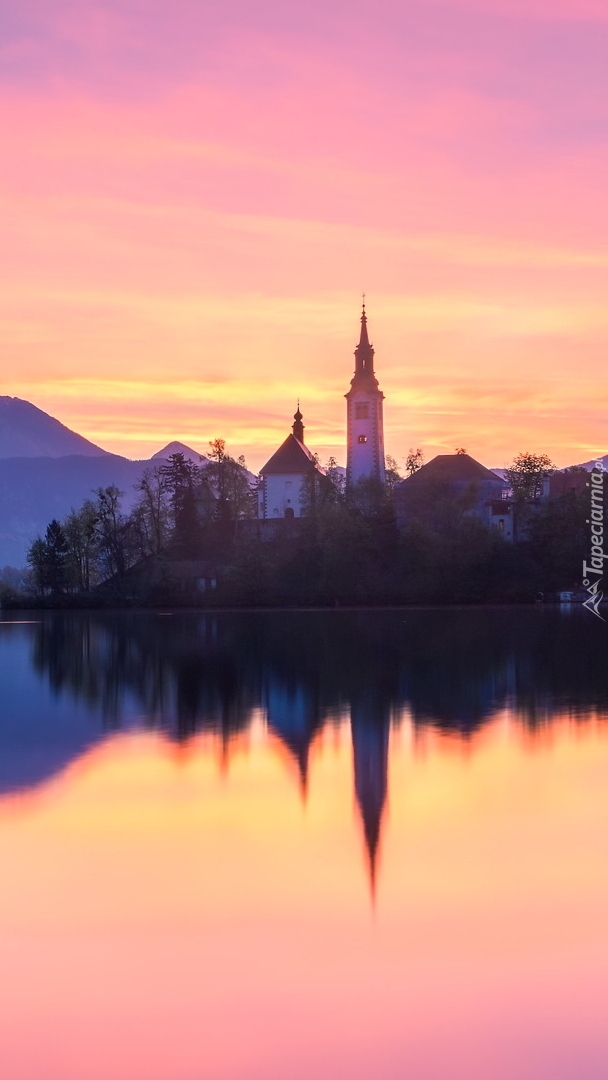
<point x="364" y="423"/>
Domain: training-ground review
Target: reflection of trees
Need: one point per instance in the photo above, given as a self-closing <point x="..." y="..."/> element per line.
<point x="452" y="668"/>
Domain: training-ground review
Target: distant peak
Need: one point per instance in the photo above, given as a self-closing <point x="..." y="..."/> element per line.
<point x="177" y="448"/>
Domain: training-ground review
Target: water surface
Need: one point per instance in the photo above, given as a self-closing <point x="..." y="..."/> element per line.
<point x="295" y="845"/>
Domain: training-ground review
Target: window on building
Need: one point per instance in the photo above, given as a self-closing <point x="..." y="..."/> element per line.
<point x="362" y="412"/>
<point x="501" y="525"/>
<point x="362" y="439"/>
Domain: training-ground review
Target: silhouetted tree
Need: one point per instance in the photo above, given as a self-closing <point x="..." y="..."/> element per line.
<point x="80" y="530"/>
<point x="48" y="559"/>
<point x="228" y="477"/>
<point x="154" y="507"/>
<point x="392" y="475"/>
<point x="114" y="532"/>
<point x="37" y="561"/>
<point x="527" y="474"/>
<point x="414" y="461"/>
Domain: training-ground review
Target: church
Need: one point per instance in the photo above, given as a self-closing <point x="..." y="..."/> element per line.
<point x="284" y="477"/>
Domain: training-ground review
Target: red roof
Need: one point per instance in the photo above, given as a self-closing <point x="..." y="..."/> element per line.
<point x="291" y="457"/>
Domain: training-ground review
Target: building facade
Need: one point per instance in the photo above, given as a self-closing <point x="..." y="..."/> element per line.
<point x="477" y="490"/>
<point x="284" y="477"/>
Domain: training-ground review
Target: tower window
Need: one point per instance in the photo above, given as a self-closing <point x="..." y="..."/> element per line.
<point x="362" y="412"/>
<point x="362" y="438"/>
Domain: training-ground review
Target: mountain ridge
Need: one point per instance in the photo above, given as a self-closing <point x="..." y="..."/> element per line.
<point x="28" y="432"/>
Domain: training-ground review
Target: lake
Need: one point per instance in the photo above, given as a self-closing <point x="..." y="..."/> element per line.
<point x="297" y="845"/>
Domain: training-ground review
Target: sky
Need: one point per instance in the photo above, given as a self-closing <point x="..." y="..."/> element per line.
<point x="196" y="195"/>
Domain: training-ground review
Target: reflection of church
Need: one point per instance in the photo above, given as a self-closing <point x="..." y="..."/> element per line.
<point x="370" y="734"/>
<point x="451" y="671"/>
<point x="295" y="718"/>
<point x="286" y="475"/>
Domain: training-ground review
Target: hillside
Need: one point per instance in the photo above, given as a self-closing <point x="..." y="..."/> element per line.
<point x="35" y="490"/>
<point x="28" y="432"/>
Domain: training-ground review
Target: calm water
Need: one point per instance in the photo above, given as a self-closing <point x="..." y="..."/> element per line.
<point x="308" y="845"/>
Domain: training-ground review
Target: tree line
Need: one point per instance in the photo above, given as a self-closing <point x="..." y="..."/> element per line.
<point x="178" y="505"/>
<point x="346" y="548"/>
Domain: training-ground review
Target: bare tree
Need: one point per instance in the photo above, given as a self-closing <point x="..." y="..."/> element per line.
<point x="153" y="508"/>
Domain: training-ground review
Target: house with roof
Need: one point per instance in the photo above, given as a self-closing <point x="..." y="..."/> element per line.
<point x="479" y="491"/>
<point x="284" y="477"/>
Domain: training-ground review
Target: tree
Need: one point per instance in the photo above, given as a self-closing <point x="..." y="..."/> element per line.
<point x="527" y="474"/>
<point x="114" y="532"/>
<point x="57" y="556"/>
<point x="48" y="560"/>
<point x="392" y="475"/>
<point x="37" y="561"/>
<point x="414" y="461"/>
<point x="559" y="538"/>
<point x="80" y="532"/>
<point x="153" y="508"/>
<point x="336" y="476"/>
<point x="230" y="480"/>
<point x="369" y="498"/>
<point x="179" y="477"/>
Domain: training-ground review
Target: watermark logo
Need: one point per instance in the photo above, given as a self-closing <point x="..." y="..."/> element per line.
<point x="594" y="570"/>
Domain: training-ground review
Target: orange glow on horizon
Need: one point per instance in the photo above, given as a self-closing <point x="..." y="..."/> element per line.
<point x="185" y="251"/>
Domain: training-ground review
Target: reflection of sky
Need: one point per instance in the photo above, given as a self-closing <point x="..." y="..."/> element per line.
<point x="40" y="731"/>
<point x="164" y="917"/>
<point x="416" y="894"/>
<point x="68" y="680"/>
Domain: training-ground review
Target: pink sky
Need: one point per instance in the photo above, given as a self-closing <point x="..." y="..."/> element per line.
<point x="195" y="196"/>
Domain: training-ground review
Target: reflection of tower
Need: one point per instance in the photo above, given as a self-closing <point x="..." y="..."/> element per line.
<point x="364" y="423"/>
<point x="293" y="716"/>
<point x="370" y="729"/>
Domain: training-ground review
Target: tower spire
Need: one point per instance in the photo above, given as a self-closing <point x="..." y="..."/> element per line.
<point x="363" y="340"/>
<point x="364" y="353"/>
<point x="298" y="427"/>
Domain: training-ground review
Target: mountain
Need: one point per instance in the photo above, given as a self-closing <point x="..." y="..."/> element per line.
<point x="589" y="465"/>
<point x="28" y="432"/>
<point x="194" y="456"/>
<point x="46" y="470"/>
<point x="33" y="491"/>
<point x="179" y="448"/>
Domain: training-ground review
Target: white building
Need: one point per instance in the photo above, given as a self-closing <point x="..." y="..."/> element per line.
<point x="364" y="422"/>
<point x="284" y="476"/>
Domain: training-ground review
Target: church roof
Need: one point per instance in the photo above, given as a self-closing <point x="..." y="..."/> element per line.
<point x="452" y="468"/>
<point x="291" y="457"/>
